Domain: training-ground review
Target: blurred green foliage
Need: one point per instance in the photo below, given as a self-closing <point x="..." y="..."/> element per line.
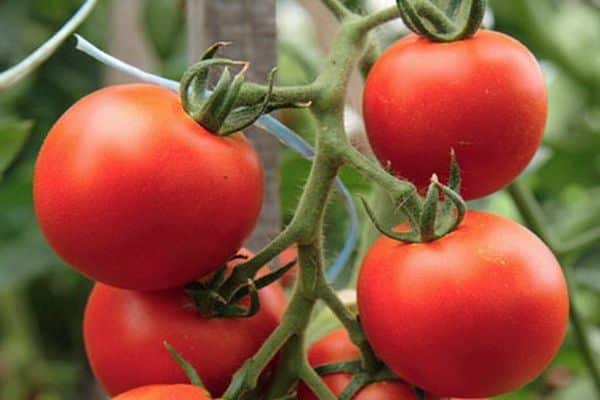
<point x="41" y="300"/>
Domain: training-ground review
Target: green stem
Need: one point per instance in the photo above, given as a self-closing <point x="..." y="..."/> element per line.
<point x="338" y="9"/>
<point x="581" y="242"/>
<point x="248" y="269"/>
<point x="253" y="93"/>
<point x="315" y="383"/>
<point x="403" y="193"/>
<point x="328" y="94"/>
<point x="377" y="18"/>
<point x="350" y="322"/>
<point x="580" y="330"/>
<point x="532" y="213"/>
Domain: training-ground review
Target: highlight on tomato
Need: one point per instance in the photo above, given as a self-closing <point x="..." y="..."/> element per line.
<point x="482" y="96"/>
<point x="132" y="192"/>
<point x="125" y="330"/>
<point x="165" y="392"/>
<point x="478" y="313"/>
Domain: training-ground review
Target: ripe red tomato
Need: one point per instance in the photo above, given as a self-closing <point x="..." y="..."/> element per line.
<point x="477" y="313"/>
<point x="132" y="192"/>
<point x="484" y="97"/>
<point x="337" y="347"/>
<point x="125" y="331"/>
<point x="165" y="392"/>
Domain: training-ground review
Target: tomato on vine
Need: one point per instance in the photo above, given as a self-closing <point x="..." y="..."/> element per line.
<point x="337" y="347"/>
<point x="479" y="312"/>
<point x="165" y="392"/>
<point x="482" y="96"/>
<point x="132" y="192"/>
<point x="125" y="330"/>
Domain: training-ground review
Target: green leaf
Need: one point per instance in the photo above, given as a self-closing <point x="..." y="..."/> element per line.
<point x="24" y="257"/>
<point x="164" y="23"/>
<point x="13" y="134"/>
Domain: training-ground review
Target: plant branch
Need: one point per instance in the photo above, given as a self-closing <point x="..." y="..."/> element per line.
<point x="378" y="18"/>
<point x="581" y="242"/>
<point x="253" y="93"/>
<point x="248" y="269"/>
<point x="350" y="322"/>
<point x="315" y="382"/>
<point x="532" y="213"/>
<point x="338" y="9"/>
<point x="580" y="330"/>
<point x="403" y="193"/>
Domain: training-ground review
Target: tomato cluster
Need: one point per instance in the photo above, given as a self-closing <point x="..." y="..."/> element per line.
<point x="133" y="193"/>
<point x="482" y="310"/>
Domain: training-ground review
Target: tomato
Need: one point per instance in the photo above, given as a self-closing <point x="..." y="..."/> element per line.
<point x="125" y="331"/>
<point x="337" y="347"/>
<point x="165" y="392"/>
<point x="132" y="192"/>
<point x="477" y="313"/>
<point x="484" y="97"/>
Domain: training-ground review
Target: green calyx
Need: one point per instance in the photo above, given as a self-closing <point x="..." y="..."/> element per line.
<point x="233" y="104"/>
<point x="442" y="20"/>
<point x="434" y="219"/>
<point x="212" y="301"/>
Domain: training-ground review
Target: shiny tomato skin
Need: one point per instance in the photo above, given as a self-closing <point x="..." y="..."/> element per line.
<point x="125" y="330"/>
<point x="484" y="97"/>
<point x="132" y="192"/>
<point x="165" y="392"/>
<point x="337" y="347"/>
<point x="477" y="313"/>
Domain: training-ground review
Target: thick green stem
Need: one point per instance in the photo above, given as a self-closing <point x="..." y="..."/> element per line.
<point x="328" y="94"/>
<point x="403" y="193"/>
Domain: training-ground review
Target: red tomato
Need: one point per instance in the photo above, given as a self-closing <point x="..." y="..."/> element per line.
<point x="484" y="97"/>
<point x="337" y="347"/>
<point x="477" y="313"/>
<point x="165" y="392"/>
<point x="124" y="332"/>
<point x="132" y="192"/>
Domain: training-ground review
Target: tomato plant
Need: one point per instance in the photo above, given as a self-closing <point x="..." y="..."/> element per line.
<point x="151" y="195"/>
<point x="133" y="193"/>
<point x="165" y="392"/>
<point x="125" y="331"/>
<point x="484" y="97"/>
<point x="487" y="305"/>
